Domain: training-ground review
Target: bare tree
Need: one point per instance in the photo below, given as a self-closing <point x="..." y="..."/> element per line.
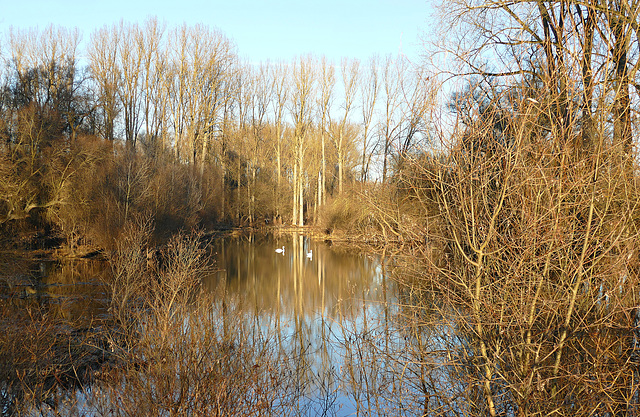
<point x="327" y="84"/>
<point x="390" y="124"/>
<point x="202" y="62"/>
<point x="103" y="57"/>
<point x="572" y="55"/>
<point x="178" y="86"/>
<point x="44" y="67"/>
<point x="261" y="100"/>
<point x="253" y="95"/>
<point x="370" y="88"/>
<point x="149" y="42"/>
<point x="130" y="59"/>
<point x="304" y="79"/>
<point x="42" y="98"/>
<point x="621" y="17"/>
<point x="416" y="105"/>
<point x="350" y="70"/>
<point x="279" y="74"/>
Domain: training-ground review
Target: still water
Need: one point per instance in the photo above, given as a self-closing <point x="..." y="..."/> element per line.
<point x="309" y="279"/>
<point x="322" y="302"/>
<point x="71" y="289"/>
<point x="333" y="311"/>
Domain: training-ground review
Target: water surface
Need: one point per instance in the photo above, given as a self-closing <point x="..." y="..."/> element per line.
<point x="330" y="310"/>
<point x="322" y="302"/>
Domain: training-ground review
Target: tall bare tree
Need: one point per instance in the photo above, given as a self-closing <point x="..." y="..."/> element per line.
<point x="568" y="54"/>
<point x="621" y="16"/>
<point x="103" y="57"/>
<point x="261" y="100"/>
<point x="40" y="103"/>
<point x="279" y="75"/>
<point x="350" y="70"/>
<point x="392" y="71"/>
<point x="45" y="73"/>
<point x="327" y="84"/>
<point x="416" y="105"/>
<point x="301" y="103"/>
<point x="130" y="94"/>
<point x="202" y="61"/>
<point x="150" y="44"/>
<point x="370" y="88"/>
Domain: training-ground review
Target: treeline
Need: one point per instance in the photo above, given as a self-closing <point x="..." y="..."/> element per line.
<point x="170" y="122"/>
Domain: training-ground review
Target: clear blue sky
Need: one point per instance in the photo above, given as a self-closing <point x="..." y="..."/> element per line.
<point x="262" y="29"/>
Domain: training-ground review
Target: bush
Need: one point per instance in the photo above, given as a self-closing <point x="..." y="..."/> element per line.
<point x="183" y="350"/>
<point x="537" y="270"/>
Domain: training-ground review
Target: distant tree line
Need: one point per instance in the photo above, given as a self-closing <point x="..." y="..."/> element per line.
<point x="140" y="103"/>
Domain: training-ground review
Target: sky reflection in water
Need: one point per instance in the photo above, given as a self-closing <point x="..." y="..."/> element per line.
<point x="316" y="307"/>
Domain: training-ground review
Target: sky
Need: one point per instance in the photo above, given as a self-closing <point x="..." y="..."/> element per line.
<point x="262" y="29"/>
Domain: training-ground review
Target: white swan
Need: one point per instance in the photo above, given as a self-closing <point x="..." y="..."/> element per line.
<point x="310" y="254"/>
<point x="280" y="250"/>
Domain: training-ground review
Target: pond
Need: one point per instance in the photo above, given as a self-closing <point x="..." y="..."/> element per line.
<point x="314" y="329"/>
<point x="323" y="303"/>
<point x="331" y="311"/>
<point x="311" y="279"/>
<point x="70" y="289"/>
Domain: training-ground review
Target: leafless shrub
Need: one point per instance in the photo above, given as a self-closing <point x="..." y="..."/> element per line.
<point x="344" y="214"/>
<point x="536" y="268"/>
<point x="182" y="350"/>
<point x="42" y="358"/>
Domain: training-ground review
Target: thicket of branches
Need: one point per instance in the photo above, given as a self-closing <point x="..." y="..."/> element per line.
<point x="530" y="216"/>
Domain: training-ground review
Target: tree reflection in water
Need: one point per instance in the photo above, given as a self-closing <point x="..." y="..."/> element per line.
<point x="320" y="308"/>
<point x="334" y="333"/>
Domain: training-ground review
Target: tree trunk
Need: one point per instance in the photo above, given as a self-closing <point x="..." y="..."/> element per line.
<point x="587" y="80"/>
<point x="239" y="195"/>
<point x="279" y="170"/>
<point x="385" y="159"/>
<point x="300" y="187"/>
<point x="323" y="192"/>
<point x="294" y="218"/>
<point x="622" y="133"/>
